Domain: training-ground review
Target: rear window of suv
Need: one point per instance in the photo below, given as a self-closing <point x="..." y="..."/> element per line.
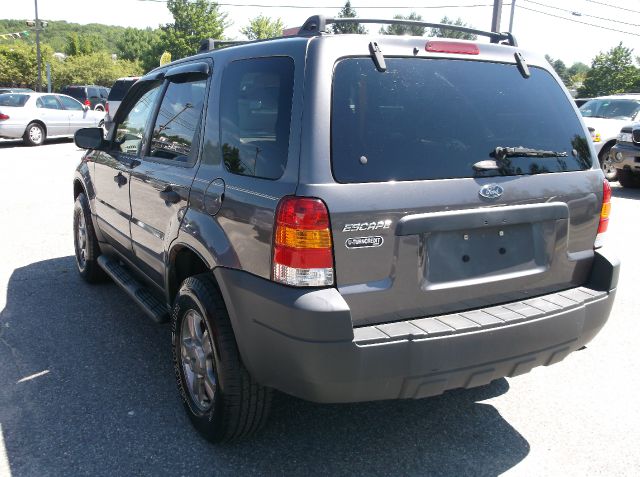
<point x="434" y="119"/>
<point x="120" y="88"/>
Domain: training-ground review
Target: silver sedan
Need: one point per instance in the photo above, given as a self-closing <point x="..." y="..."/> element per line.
<point x="35" y="117"/>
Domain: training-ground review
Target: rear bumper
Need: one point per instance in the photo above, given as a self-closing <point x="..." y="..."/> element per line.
<point x="12" y="131"/>
<point x="302" y="343"/>
<point x="626" y="157"/>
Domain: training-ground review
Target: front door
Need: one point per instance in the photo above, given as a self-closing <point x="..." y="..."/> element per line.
<point x="160" y="185"/>
<point x="113" y="168"/>
<point x="55" y="118"/>
<point x="75" y="113"/>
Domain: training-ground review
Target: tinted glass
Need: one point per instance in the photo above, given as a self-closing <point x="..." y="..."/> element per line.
<point x="434" y="119"/>
<point x="14" y="100"/>
<point x="93" y="92"/>
<point x="255" y="116"/>
<point x="623" y="109"/>
<point x="70" y="103"/>
<point x="119" y="89"/>
<point x="177" y="121"/>
<point x="130" y="132"/>
<point x="77" y="93"/>
<point x="48" y="102"/>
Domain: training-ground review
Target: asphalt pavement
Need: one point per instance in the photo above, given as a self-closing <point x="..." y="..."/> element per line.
<point x="87" y="386"/>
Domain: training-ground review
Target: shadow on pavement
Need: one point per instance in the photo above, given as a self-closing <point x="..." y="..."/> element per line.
<point x="625" y="192"/>
<point x="18" y="142"/>
<point x="87" y="387"/>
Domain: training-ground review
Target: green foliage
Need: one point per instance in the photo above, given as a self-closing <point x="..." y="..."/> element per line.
<point x="442" y="33"/>
<point x="262" y="27"/>
<point x="404" y="29"/>
<point x="83" y="44"/>
<point x="192" y="22"/>
<point x="18" y="65"/>
<point x="140" y="45"/>
<point x="348" y="12"/>
<point x="94" y="68"/>
<point x="561" y="70"/>
<point x="611" y="72"/>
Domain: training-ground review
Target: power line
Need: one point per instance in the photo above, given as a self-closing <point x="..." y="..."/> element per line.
<point x="614" y="6"/>
<point x="580" y="14"/>
<point x="315" y="7"/>
<point x="577" y="21"/>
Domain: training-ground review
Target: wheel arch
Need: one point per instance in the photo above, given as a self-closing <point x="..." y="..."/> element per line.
<point x="607" y="145"/>
<point x="183" y="262"/>
<point x="37" y="121"/>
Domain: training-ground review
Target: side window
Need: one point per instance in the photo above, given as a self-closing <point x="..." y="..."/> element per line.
<point x="255" y="116"/>
<point x="48" y="102"/>
<point x="130" y="131"/>
<point x="177" y="121"/>
<point x="69" y="103"/>
<point x="92" y="93"/>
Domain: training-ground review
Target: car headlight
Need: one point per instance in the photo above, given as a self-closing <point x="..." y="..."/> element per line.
<point x="625" y="137"/>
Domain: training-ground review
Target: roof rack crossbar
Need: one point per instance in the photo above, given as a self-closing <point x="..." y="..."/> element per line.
<point x="213" y="44"/>
<point x="318" y="24"/>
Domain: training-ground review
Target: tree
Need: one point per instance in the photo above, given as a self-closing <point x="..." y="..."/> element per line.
<point x="561" y="70"/>
<point x="404" y="29"/>
<point x="94" y="68"/>
<point x="611" y="72"/>
<point x="18" y="66"/>
<point x="262" y="27"/>
<point x="348" y="12"/>
<point x="192" y="23"/>
<point x="83" y="44"/>
<point x="444" y="33"/>
<point x="140" y="45"/>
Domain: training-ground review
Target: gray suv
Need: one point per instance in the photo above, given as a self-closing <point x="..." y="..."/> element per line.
<point x="348" y="218"/>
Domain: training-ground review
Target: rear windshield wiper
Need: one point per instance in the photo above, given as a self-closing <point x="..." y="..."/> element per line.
<point x="501" y="153"/>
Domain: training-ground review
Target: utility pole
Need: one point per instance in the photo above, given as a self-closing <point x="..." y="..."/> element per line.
<point x="497" y="13"/>
<point x="513" y="9"/>
<point x="38" y="27"/>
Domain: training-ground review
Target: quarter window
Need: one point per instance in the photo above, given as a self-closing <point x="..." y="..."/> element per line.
<point x="130" y="132"/>
<point x="177" y="121"/>
<point x="255" y="116"/>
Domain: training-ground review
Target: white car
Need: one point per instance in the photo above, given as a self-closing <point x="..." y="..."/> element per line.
<point x="35" y="117"/>
<point x="605" y="116"/>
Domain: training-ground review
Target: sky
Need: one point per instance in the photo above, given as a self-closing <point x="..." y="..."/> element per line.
<point x="535" y="25"/>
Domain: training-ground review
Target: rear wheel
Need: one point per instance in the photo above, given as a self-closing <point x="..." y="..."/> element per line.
<point x="606" y="162"/>
<point x="99" y="107"/>
<point x="220" y="396"/>
<point x="629" y="179"/>
<point x="34" y="135"/>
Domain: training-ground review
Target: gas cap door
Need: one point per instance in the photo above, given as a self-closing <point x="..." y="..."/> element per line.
<point x="213" y="196"/>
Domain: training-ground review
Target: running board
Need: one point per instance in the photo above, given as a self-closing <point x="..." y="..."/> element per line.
<point x="140" y="294"/>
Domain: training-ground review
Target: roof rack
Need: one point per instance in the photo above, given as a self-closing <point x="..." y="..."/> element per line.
<point x="212" y="44"/>
<point x="317" y="24"/>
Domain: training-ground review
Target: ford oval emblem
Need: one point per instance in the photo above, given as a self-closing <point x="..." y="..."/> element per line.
<point x="491" y="191"/>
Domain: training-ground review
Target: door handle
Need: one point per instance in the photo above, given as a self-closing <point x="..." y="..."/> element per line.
<point x="120" y="179"/>
<point x="170" y="195"/>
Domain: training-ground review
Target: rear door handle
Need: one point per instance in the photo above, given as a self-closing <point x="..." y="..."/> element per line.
<point x="170" y="195"/>
<point x="120" y="179"/>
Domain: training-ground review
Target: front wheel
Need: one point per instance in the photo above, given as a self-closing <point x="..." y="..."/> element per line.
<point x="220" y="396"/>
<point x="85" y="242"/>
<point x="34" y="135"/>
<point x="606" y="162"/>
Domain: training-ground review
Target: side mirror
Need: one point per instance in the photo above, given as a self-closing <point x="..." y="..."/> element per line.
<point x="89" y="138"/>
<point x="85" y="108"/>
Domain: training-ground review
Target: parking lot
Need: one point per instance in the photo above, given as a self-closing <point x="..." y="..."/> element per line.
<point x="87" y="386"/>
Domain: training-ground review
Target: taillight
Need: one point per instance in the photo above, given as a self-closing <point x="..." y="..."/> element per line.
<point x="87" y="102"/>
<point x="3" y="116"/>
<point x="604" y="212"/>
<point x="439" y="46"/>
<point x="106" y="107"/>
<point x="302" y="248"/>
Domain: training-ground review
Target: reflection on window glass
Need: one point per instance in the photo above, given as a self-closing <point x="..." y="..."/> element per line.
<point x="130" y="132"/>
<point x="255" y="116"/>
<point x="70" y="103"/>
<point x="177" y="121"/>
<point x="48" y="102"/>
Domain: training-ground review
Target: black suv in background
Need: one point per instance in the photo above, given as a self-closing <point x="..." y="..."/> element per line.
<point x="349" y="217"/>
<point x="91" y="95"/>
<point x="625" y="156"/>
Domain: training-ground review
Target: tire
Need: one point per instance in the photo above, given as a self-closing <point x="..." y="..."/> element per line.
<point x="606" y="163"/>
<point x="628" y="179"/>
<point x="85" y="242"/>
<point x="34" y="135"/>
<point x="99" y="107"/>
<point x="221" y="398"/>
